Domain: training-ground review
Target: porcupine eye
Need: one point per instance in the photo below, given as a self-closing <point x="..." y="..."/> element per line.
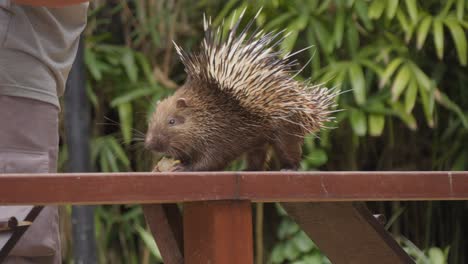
<point x="171" y="121"/>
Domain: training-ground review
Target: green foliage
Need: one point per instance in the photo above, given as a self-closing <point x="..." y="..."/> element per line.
<point x="293" y="245"/>
<point x="401" y="67"/>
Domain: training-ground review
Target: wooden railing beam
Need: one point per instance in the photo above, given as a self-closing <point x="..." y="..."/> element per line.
<point x="139" y="188"/>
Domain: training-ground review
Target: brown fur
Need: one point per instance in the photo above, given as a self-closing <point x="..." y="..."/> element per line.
<point x="212" y="130"/>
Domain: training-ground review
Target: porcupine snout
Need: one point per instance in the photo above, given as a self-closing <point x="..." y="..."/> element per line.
<point x="158" y="143"/>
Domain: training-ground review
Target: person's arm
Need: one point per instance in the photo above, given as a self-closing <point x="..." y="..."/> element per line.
<point x="49" y="3"/>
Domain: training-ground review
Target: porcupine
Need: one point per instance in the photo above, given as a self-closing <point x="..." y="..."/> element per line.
<point x="239" y="98"/>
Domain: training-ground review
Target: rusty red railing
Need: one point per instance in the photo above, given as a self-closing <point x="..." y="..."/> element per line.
<point x="216" y="226"/>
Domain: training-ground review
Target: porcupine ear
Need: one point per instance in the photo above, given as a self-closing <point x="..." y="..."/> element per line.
<point x="181" y="103"/>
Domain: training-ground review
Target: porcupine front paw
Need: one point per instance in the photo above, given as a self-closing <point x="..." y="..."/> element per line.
<point x="289" y="169"/>
<point x="180" y="167"/>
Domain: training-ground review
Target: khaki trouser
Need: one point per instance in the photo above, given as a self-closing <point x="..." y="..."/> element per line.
<point x="29" y="144"/>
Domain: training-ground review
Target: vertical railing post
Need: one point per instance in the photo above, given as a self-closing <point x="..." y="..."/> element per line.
<point x="218" y="232"/>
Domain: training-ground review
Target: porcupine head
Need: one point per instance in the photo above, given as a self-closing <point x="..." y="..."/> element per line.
<point x="239" y="98"/>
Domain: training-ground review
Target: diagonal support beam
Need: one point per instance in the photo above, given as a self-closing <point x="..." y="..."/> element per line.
<point x="347" y="232"/>
<point x="165" y="222"/>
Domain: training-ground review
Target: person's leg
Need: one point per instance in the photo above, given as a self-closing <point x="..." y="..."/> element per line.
<point x="29" y="144"/>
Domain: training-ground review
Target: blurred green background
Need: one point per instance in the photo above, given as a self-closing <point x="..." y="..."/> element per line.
<point x="403" y="63"/>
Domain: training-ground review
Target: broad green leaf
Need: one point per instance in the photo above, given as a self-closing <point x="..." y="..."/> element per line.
<point x="410" y="96"/>
<point x="128" y="61"/>
<point x="421" y="77"/>
<point x="407" y="118"/>
<point x="405" y="24"/>
<point x="322" y="35"/>
<point x="224" y="12"/>
<point x="92" y="65"/>
<point x="376" y="9"/>
<point x="389" y="70"/>
<point x="110" y="159"/>
<point x="376" y="125"/>
<point x="149" y="242"/>
<point x="392" y="6"/>
<point x="278" y="21"/>
<point x="445" y="101"/>
<point x="436" y="256"/>
<point x="459" y="37"/>
<point x="126" y="121"/>
<point x="401" y="81"/>
<point x="317" y="157"/>
<point x="356" y="77"/>
<point x="291" y="251"/>
<point x="339" y="26"/>
<point x="439" y="37"/>
<point x="352" y="36"/>
<point x="422" y="31"/>
<point x="412" y="10"/>
<point x="287" y="228"/>
<point x="146" y="67"/>
<point x="447" y="7"/>
<point x="132" y="95"/>
<point x="358" y="122"/>
<point x="277" y="254"/>
<point x="370" y="64"/>
<point x="118" y="151"/>
<point x="361" y="8"/>
<point x="303" y="242"/>
<point x="460" y="9"/>
<point x="288" y="43"/>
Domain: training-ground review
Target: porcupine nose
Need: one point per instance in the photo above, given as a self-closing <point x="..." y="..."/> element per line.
<point x="155" y="143"/>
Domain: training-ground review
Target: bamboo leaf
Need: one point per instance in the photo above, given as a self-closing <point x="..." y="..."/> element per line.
<point x="421" y="77"/>
<point x="392" y="6"/>
<point x="339" y="27"/>
<point x="362" y="11"/>
<point x="403" y="20"/>
<point x="92" y="65"/>
<point x="428" y="105"/>
<point x="410" y="96"/>
<point x="132" y="95"/>
<point x="400" y="83"/>
<point x="388" y="72"/>
<point x="146" y="67"/>
<point x="149" y="242"/>
<point x="376" y="125"/>
<point x="376" y="9"/>
<point x="128" y="61"/>
<point x="412" y="10"/>
<point x="438" y="37"/>
<point x="459" y="37"/>
<point x="358" y="122"/>
<point x="126" y="121"/>
<point x="445" y="101"/>
<point x="322" y="34"/>
<point x="117" y="151"/>
<point x="422" y="31"/>
<point x="436" y="256"/>
<point x="407" y="118"/>
<point x="358" y="83"/>
<point x="460" y="9"/>
<point x="288" y="43"/>
<point x="352" y="36"/>
<point x="278" y="21"/>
